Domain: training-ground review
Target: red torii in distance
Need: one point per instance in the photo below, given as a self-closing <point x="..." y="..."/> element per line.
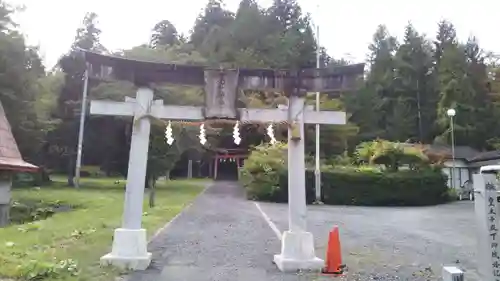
<point x="233" y="153"/>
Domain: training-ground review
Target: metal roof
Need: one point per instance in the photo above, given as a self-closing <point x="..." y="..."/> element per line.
<point x="466" y="153"/>
<point x="10" y="157"/>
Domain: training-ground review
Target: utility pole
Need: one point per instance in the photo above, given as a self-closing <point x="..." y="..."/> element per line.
<point x="420" y="134"/>
<point x="82" y="126"/>
<point x="317" y="171"/>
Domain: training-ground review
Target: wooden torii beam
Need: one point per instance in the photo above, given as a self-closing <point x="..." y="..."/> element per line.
<point x="324" y="80"/>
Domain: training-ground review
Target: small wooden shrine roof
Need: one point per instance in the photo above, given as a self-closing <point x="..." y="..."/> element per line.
<point x="10" y="157"/>
<point x="231" y="153"/>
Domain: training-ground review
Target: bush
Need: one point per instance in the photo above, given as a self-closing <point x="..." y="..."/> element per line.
<point x="25" y="211"/>
<point x="364" y="187"/>
<point x="91" y="171"/>
<point x="261" y="172"/>
<point x="25" y="179"/>
<point x="452" y="194"/>
<point x="373" y="188"/>
<point x="403" y="188"/>
<point x="265" y="178"/>
<point x="391" y="154"/>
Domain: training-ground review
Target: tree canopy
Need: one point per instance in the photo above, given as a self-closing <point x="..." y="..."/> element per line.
<point x="409" y="85"/>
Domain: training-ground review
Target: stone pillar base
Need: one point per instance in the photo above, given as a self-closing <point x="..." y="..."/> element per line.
<point x="4" y="214"/>
<point x="297" y="253"/>
<point x="129" y="250"/>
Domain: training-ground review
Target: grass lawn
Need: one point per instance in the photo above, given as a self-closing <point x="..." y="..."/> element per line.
<point x="68" y="245"/>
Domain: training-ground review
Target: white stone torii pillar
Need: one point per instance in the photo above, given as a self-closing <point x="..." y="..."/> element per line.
<point x="129" y="248"/>
<point x="297" y="244"/>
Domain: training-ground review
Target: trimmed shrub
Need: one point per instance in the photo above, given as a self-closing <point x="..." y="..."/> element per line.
<point x="265" y="178"/>
<point x="261" y="173"/>
<point x="365" y="187"/>
<point x="371" y="188"/>
<point x="25" y="179"/>
<point x="403" y="188"/>
<point x="281" y="194"/>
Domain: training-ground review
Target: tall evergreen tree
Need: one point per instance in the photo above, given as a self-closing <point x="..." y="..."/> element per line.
<point x="414" y="87"/>
<point x="455" y="91"/>
<point x="382" y="74"/>
<point x="446" y="36"/>
<point x="292" y="31"/>
<point x="164" y="34"/>
<point x="287" y="14"/>
<point x="484" y="115"/>
<point x="20" y="68"/>
<point x="214" y="16"/>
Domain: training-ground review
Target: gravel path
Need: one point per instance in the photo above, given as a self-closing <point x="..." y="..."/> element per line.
<point x="221" y="237"/>
<point x="393" y="243"/>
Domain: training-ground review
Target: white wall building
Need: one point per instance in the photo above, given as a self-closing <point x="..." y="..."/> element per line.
<point x="467" y="162"/>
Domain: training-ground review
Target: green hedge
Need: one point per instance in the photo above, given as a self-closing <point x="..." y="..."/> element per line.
<point x="22" y="179"/>
<point x="265" y="178"/>
<point x="346" y="187"/>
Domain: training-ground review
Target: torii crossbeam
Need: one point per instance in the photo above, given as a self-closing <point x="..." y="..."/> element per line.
<point x="221" y="88"/>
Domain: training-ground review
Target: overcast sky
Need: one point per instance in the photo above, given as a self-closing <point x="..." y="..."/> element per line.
<point x="346" y="26"/>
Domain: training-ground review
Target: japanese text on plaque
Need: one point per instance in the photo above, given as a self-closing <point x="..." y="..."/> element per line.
<point x="493" y="229"/>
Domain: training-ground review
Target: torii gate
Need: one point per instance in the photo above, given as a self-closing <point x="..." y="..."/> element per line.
<point x="221" y="87"/>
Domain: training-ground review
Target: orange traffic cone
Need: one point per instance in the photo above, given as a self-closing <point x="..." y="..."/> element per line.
<point x="334" y="254"/>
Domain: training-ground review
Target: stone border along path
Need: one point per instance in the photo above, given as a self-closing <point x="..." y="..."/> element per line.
<point x="220" y="237"/>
